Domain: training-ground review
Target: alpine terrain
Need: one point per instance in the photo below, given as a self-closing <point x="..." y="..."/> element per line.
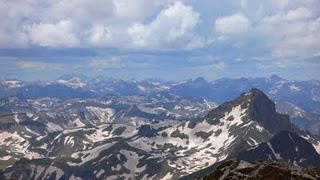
<point x="156" y="134"/>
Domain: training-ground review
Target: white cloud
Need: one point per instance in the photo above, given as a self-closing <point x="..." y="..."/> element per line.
<point x="203" y="58"/>
<point x="292" y="34"/>
<point x="98" y="63"/>
<point x="82" y="11"/>
<point x="286" y="28"/>
<point x="103" y="63"/>
<point x="100" y="35"/>
<point x="219" y="66"/>
<point x="58" y="34"/>
<point x="6" y="39"/>
<point x="30" y="65"/>
<point x="80" y="22"/>
<point x="236" y="24"/>
<point x="12" y="32"/>
<point x="173" y="27"/>
<point x="298" y="14"/>
<point x="138" y="10"/>
<point x="281" y="3"/>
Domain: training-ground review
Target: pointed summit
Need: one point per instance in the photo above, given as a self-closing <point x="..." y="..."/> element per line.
<point x="73" y="76"/>
<point x="73" y="80"/>
<point x="257" y="107"/>
<point x="274" y="78"/>
<point x="255" y="94"/>
<point x="200" y="80"/>
<point x="263" y="110"/>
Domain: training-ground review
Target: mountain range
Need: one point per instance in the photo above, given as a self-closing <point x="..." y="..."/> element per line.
<point x="161" y="134"/>
<point x="299" y="99"/>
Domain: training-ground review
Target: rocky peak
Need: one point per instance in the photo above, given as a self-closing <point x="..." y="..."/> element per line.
<point x="258" y="107"/>
<point x="263" y="110"/>
<point x="78" y="76"/>
<point x="274" y="78"/>
<point x="200" y="80"/>
<point x="12" y="83"/>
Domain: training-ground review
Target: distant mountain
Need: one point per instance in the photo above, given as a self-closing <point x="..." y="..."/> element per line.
<point x="197" y="88"/>
<point x="289" y="95"/>
<point x="305" y="94"/>
<point x="12" y="83"/>
<point x="308" y="120"/>
<point x="79" y="76"/>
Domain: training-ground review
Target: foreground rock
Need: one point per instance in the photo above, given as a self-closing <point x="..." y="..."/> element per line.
<point x="236" y="169"/>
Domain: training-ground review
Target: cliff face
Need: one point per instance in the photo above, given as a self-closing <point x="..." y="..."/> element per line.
<point x="238" y="169"/>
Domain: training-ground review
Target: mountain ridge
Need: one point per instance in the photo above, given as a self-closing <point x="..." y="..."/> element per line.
<point x="304" y="94"/>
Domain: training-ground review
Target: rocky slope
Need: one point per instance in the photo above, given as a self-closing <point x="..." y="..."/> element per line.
<point x="285" y="146"/>
<point x="236" y="169"/>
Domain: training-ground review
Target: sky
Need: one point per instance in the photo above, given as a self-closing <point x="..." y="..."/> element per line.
<point x="171" y="40"/>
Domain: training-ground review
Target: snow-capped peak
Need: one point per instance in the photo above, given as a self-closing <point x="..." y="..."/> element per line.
<point x="74" y="82"/>
<point x="12" y="83"/>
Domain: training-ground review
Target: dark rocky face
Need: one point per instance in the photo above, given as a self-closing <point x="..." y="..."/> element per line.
<point x="235" y="169"/>
<point x="147" y="131"/>
<point x="285" y="146"/>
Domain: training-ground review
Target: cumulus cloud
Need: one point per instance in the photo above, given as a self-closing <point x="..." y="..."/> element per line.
<point x="283" y="29"/>
<point x="297" y="14"/>
<point x="6" y="39"/>
<point x="58" y="34"/>
<point x="80" y="22"/>
<point x="165" y="24"/>
<point x="173" y="27"/>
<point x="235" y="24"/>
<point x="100" y="35"/>
<point x="138" y="10"/>
<point x="281" y="3"/>
<point x="301" y="13"/>
<point x="296" y="33"/>
<point x="12" y="32"/>
<point x="82" y="11"/>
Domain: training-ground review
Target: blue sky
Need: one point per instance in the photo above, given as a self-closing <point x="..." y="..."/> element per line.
<point x="160" y="38"/>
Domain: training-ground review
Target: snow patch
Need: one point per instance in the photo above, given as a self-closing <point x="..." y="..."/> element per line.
<point x="132" y="161"/>
<point x="294" y="88"/>
<point x="12" y="83"/>
<point x="103" y="114"/>
<point x="90" y="154"/>
<point x="277" y="155"/>
<point x="77" y="123"/>
<point x="5" y="158"/>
